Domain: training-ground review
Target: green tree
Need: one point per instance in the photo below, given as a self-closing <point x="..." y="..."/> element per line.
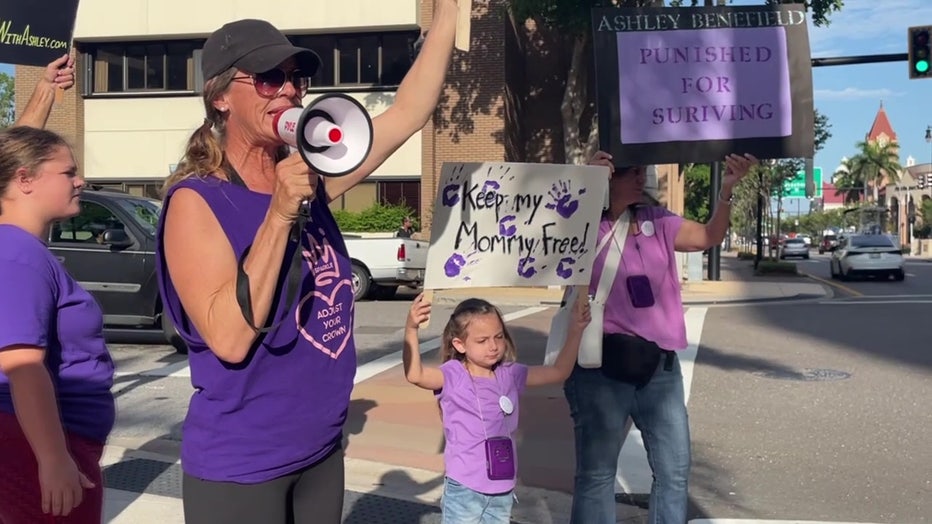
<point x="572" y="21"/>
<point x="7" y="101"/>
<point x="696" y="183"/>
<point x="873" y="162"/>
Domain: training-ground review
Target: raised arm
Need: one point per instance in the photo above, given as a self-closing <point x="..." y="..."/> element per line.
<point x="415" y="101"/>
<point x="58" y="75"/>
<point x="566" y="360"/>
<point x="415" y="372"/>
<point x="204" y="268"/>
<point x="693" y="236"/>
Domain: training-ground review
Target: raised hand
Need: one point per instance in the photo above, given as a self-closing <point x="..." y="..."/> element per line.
<point x="737" y="167"/>
<point x="582" y="314"/>
<point x="419" y="312"/>
<point x="60" y="72"/>
<point x="601" y="158"/>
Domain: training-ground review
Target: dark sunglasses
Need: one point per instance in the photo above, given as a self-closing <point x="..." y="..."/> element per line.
<point x="271" y="83"/>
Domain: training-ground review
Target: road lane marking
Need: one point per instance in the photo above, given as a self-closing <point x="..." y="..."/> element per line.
<point x="633" y="475"/>
<point x="176" y="370"/>
<point x="836" y="285"/>
<point x="181" y="369"/>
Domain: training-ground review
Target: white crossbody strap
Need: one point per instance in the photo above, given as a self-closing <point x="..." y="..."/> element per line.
<point x="613" y="258"/>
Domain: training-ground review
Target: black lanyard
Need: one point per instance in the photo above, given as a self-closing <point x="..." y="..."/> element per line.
<point x="292" y="277"/>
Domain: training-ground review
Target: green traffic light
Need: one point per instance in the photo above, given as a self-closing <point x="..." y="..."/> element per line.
<point x="922" y="66"/>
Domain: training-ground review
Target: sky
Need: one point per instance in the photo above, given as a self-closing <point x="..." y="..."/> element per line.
<point x="851" y="95"/>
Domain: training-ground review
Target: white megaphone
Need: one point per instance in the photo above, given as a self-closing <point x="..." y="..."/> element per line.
<point x="333" y="134"/>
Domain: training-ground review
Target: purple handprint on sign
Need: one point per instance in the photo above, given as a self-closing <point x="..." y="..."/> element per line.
<point x="563" y="200"/>
<point x="564" y="268"/>
<point x="455" y="265"/>
<point x="451" y="195"/>
<point x="505" y="228"/>
<point x="525" y="269"/>
<point x="490" y="185"/>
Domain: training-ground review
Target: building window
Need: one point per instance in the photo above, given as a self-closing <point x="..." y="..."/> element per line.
<point x="149" y="188"/>
<point x="406" y="193"/>
<point x="361" y="60"/>
<point x="140" y="68"/>
<point x="385" y="192"/>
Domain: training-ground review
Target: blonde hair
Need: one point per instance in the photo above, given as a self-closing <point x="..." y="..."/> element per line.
<point x="204" y="154"/>
<point x="458" y="325"/>
<point x="25" y="147"/>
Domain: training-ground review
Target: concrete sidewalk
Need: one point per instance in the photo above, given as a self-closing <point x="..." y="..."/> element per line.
<point x="394" y="464"/>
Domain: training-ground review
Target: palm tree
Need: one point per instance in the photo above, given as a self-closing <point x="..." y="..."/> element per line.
<point x="874" y="162"/>
<point x="848" y="180"/>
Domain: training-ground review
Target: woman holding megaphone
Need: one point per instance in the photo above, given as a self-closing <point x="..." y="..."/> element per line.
<point x="272" y="360"/>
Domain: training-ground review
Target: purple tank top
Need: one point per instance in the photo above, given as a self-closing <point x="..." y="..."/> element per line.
<point x="283" y="408"/>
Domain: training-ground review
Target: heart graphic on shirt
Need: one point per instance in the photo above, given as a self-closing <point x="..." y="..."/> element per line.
<point x="339" y="334"/>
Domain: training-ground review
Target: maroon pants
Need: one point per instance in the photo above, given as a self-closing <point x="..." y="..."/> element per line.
<point x="20" y="495"/>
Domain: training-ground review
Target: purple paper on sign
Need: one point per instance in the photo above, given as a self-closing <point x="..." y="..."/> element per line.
<point x="708" y="84"/>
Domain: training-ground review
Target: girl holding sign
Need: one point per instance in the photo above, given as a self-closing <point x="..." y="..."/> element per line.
<point x="643" y="329"/>
<point x="478" y="387"/>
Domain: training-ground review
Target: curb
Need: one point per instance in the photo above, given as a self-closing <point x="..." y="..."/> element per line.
<point x="737" y="301"/>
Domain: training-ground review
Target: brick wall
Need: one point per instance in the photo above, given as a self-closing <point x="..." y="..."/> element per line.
<point x="67" y="117"/>
<point x="469" y="123"/>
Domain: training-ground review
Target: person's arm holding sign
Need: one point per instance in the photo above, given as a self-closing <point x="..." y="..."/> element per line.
<point x="58" y="75"/>
<point x="694" y="236"/>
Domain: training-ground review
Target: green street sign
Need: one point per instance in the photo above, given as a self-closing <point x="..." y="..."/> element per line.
<point x="796" y="186"/>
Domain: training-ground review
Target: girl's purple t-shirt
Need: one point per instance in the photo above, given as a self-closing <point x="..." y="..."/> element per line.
<point x="651" y="252"/>
<point x="41" y="305"/>
<point x="283" y="408"/>
<point x="465" y="430"/>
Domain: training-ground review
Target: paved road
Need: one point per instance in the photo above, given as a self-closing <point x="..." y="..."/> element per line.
<point x="817" y="410"/>
<point x="918" y="283"/>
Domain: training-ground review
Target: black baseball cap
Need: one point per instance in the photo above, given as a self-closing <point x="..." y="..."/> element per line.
<point x="254" y="46"/>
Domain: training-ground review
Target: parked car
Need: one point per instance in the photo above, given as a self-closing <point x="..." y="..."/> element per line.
<point x="794" y="247"/>
<point x="382" y="264"/>
<point x="867" y="255"/>
<point x="109" y="247"/>
<point x="828" y="244"/>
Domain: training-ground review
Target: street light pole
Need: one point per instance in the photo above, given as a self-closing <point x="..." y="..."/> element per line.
<point x="929" y="141"/>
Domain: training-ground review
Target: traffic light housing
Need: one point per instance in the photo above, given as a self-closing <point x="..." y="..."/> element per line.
<point x="920" y="52"/>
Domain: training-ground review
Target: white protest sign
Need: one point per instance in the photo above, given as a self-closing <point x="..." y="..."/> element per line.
<point x="515" y="225"/>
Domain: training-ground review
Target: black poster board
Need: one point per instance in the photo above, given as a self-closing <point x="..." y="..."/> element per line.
<point x="36" y="32"/>
<point x="695" y="84"/>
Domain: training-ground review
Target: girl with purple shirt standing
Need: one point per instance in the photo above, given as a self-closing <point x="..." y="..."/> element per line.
<point x="56" y="408"/>
<point x="478" y="387"/>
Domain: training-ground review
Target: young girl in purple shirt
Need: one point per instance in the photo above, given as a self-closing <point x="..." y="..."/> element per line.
<point x="478" y="387"/>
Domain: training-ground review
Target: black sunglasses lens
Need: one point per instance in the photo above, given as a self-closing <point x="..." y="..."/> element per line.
<point x="270" y="81"/>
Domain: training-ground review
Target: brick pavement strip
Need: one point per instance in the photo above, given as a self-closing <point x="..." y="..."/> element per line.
<point x="394" y="464"/>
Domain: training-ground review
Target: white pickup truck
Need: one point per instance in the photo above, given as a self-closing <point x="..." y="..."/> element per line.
<point x="381" y="265"/>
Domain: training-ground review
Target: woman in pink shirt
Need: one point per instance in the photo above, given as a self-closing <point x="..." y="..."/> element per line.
<point x="643" y="329"/>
